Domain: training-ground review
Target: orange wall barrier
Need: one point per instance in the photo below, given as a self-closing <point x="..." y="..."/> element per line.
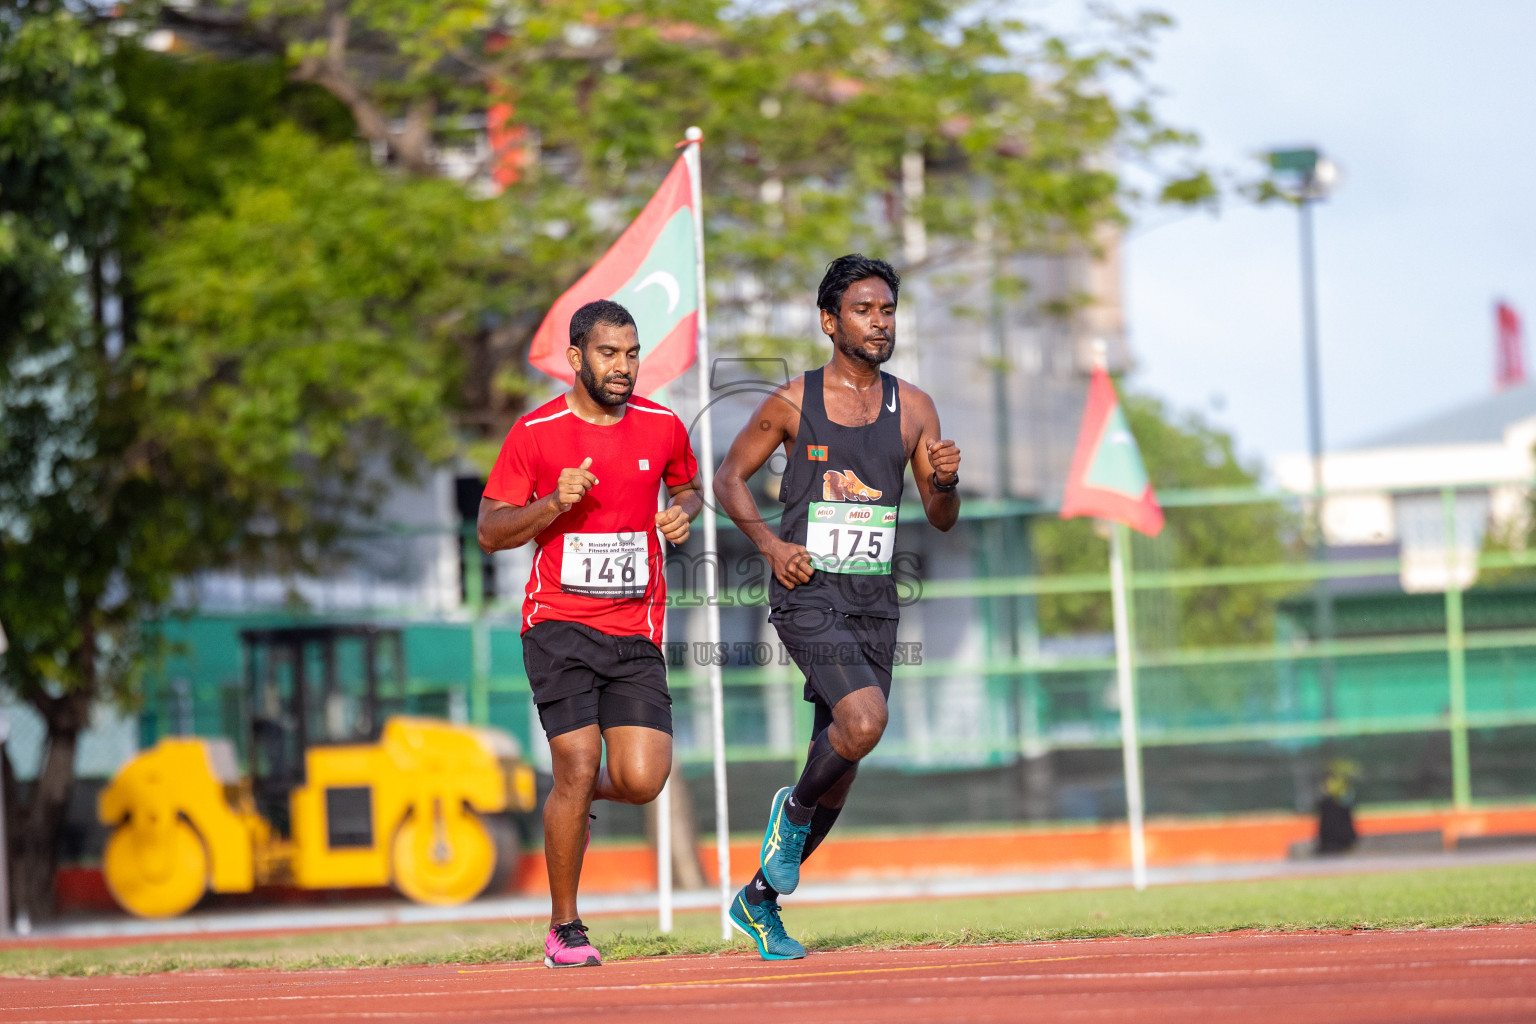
<point x="631" y="867"/>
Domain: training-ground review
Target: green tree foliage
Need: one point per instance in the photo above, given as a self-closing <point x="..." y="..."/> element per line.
<point x="315" y="271"/>
<point x="1181" y="451"/>
<point x="66" y="163"/>
<point x="808" y="111"/>
<point x="284" y="356"/>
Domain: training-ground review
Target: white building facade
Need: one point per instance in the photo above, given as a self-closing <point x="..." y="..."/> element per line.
<point x="1433" y="489"/>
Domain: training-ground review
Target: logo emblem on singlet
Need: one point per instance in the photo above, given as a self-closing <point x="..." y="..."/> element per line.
<point x="816" y="452"/>
<point x="845" y="486"/>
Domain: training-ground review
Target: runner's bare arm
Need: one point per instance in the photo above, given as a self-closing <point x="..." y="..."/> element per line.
<point x="502" y="525"/>
<point x="776" y="421"/>
<point x="673" y="520"/>
<point x="933" y="459"/>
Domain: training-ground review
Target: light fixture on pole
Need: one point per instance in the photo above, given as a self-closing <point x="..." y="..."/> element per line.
<point x="1304" y="176"/>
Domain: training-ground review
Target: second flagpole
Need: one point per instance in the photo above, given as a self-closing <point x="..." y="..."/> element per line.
<point x="1125" y="682"/>
<point x="694" y="137"/>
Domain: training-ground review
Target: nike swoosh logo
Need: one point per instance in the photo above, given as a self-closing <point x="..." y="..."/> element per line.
<point x="892" y="406"/>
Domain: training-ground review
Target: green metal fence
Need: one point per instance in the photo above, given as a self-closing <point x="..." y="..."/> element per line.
<point x="1405" y="676"/>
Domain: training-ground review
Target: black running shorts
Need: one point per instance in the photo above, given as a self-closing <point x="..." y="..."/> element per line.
<point x="838" y="653"/>
<point x="582" y="676"/>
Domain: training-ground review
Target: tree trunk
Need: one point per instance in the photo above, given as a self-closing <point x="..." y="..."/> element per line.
<point x="686" y="871"/>
<point x="50" y="798"/>
<point x="12" y="830"/>
<point x="37" y="841"/>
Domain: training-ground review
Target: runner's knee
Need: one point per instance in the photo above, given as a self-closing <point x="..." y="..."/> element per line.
<point x="863" y="727"/>
<point x="636" y="786"/>
<point x="576" y="774"/>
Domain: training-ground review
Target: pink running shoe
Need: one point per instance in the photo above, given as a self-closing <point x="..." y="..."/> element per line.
<point x="567" y="945"/>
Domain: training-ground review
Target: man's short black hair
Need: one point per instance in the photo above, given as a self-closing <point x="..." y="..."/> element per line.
<point x="846" y="270"/>
<point x="603" y="311"/>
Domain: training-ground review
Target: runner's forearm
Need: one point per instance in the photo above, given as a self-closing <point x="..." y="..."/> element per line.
<point x="735" y="499"/>
<point x="690" y="501"/>
<point x="512" y="526"/>
<point x="943" y="509"/>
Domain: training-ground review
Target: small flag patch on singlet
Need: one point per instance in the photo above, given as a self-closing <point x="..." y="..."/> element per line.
<point x="816" y="452"/>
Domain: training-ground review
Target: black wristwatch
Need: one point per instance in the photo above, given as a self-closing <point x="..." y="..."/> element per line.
<point x="946" y="488"/>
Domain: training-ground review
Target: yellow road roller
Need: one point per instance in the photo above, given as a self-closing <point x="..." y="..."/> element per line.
<point x="331" y="799"/>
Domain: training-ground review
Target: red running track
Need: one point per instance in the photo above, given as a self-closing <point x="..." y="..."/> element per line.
<point x="1473" y="974"/>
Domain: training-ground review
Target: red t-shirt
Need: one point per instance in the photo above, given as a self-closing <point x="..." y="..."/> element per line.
<point x="594" y="547"/>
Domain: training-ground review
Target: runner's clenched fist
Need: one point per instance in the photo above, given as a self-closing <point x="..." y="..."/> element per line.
<point x="573" y="485"/>
<point x="673" y="524"/>
<point x="944" y="457"/>
<point x="791" y="564"/>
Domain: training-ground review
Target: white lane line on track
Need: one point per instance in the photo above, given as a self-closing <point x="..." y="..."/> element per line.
<point x="786" y="981"/>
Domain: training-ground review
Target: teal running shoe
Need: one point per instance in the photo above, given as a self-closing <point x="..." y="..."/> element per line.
<point x="761" y="924"/>
<point x="783" y="846"/>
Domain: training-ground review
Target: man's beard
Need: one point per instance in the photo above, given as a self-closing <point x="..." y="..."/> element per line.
<point x="855" y="350"/>
<point x="598" y="390"/>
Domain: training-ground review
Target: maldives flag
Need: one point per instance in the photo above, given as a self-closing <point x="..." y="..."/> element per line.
<point x="652" y="270"/>
<point x="1108" y="478"/>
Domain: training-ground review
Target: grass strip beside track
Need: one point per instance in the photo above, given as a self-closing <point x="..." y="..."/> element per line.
<point x="1441" y="898"/>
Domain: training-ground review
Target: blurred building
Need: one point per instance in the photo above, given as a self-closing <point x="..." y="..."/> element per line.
<point x="1389" y="494"/>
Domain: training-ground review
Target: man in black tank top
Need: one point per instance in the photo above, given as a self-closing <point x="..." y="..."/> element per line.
<point x="849" y="431"/>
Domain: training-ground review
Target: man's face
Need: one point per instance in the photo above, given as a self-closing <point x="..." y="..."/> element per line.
<point x="865" y="329"/>
<point x="608" y="367"/>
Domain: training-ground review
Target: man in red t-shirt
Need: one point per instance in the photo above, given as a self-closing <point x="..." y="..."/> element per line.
<point x="580" y="476"/>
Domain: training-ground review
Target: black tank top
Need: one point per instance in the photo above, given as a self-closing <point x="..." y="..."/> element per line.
<point x="841" y="492"/>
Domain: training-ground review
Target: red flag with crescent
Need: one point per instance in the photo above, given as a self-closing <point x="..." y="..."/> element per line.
<point x="652" y="270"/>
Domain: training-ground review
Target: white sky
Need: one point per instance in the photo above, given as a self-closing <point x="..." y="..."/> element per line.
<point x="1430" y="109"/>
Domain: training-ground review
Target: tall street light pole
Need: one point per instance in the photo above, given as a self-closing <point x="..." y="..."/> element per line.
<point x="1305" y="177"/>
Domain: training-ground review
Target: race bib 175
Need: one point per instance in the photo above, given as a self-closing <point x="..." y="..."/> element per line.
<point x="850" y="537"/>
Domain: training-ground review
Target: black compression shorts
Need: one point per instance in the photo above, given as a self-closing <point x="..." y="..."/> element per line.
<point x="838" y="653"/>
<point x="582" y="676"/>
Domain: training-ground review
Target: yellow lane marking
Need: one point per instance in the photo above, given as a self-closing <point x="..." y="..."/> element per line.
<point x="861" y="970"/>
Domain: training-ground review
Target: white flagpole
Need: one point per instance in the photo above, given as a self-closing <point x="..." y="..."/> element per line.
<point x="664" y="833"/>
<point x="711" y="544"/>
<point x="1125" y="679"/>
